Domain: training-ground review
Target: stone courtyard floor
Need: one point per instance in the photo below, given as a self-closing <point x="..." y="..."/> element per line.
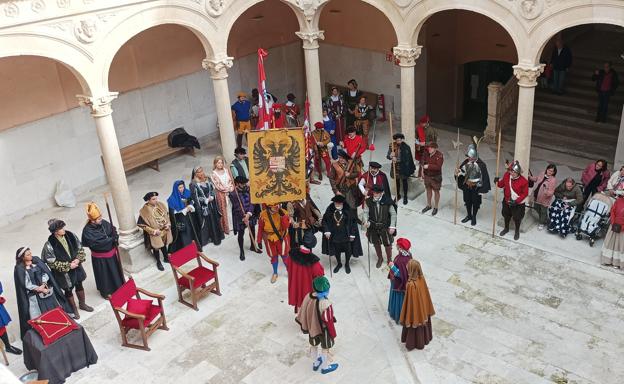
<point x="541" y="310"/>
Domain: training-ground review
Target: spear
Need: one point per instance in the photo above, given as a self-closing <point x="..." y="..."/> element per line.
<point x="240" y="203"/>
<point x="118" y="255"/>
<point x="496" y="186"/>
<point x="457" y="144"/>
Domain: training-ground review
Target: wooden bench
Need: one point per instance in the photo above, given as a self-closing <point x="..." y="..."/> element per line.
<point x="148" y="152"/>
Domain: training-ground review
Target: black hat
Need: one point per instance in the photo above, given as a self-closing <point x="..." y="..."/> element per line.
<point x="309" y="240"/>
<point x="149" y="195"/>
<point x="290" y="97"/>
<point x="398" y="136"/>
<point x="374" y="164"/>
<point x="377" y="188"/>
<point x="55" y="224"/>
<point x="342" y="153"/>
<point x="240" y="151"/>
<point x="240" y="180"/>
<point x="338" y="199"/>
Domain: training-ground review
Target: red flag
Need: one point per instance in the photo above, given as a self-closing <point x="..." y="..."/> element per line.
<point x="264" y="109"/>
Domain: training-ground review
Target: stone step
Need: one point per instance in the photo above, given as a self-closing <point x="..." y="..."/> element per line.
<point x="566" y="114"/>
<point x="542" y="95"/>
<point x="582" y="94"/>
<point x="567" y="119"/>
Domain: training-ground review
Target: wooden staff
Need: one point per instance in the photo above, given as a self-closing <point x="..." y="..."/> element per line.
<point x="496" y="186"/>
<point x="240" y="203"/>
<point x="118" y="255"/>
<point x="456" y="184"/>
<point x="393" y="153"/>
<point x="50" y="322"/>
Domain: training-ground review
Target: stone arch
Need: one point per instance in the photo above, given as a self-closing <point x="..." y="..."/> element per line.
<point x="496" y="12"/>
<point x="543" y="31"/>
<point x="201" y="26"/>
<point x="73" y="57"/>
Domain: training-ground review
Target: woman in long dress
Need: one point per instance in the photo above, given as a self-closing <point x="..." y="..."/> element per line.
<point x="613" y="247"/>
<point x="224" y="184"/>
<point x="206" y="216"/>
<point x="417" y="309"/>
<point x="180" y="210"/>
<point x="36" y="290"/>
<point x="398" y="278"/>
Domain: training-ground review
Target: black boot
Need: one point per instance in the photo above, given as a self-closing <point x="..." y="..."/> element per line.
<point x="241" y="239"/>
<point x="347" y="266"/>
<point x="473" y="217"/>
<point x="468" y="214"/>
<point x="156" y="254"/>
<point x="8" y="347"/>
<point x="339" y="265"/>
<point x="517" y="229"/>
<point x="506" y="229"/>
<point x="242" y="255"/>
<point x="405" y="185"/>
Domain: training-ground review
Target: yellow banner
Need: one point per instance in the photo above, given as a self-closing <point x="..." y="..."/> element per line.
<point x="277" y="165"/>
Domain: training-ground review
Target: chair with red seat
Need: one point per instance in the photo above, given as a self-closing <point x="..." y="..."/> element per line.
<point x="138" y="314"/>
<point x="200" y="280"/>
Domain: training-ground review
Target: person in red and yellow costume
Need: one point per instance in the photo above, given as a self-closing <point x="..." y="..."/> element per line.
<point x="273" y="226"/>
<point x="322" y="142"/>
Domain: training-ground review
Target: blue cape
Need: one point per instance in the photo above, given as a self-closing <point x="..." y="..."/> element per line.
<point x="175" y="199"/>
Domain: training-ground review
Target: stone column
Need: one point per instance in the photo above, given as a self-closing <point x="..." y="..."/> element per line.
<point x="527" y="80"/>
<point x="619" y="150"/>
<point x="313" y="72"/>
<point x="491" y="129"/>
<point x="133" y="254"/>
<point x="407" y="60"/>
<point x="218" y="72"/>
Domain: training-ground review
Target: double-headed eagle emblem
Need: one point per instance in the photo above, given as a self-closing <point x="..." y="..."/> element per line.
<point x="279" y="160"/>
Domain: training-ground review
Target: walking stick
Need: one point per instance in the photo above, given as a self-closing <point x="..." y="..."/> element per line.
<point x="368" y="251"/>
<point x="496" y="186"/>
<point x="331" y="272"/>
<point x="394" y="154"/>
<point x="240" y="203"/>
<point x="457" y="144"/>
<point x="110" y="220"/>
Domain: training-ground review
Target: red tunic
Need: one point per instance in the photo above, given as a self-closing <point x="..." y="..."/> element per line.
<point x="520" y="186"/>
<point x="351" y="144"/>
<point x="420" y="137"/>
<point x="617" y="212"/>
<point x="300" y="279"/>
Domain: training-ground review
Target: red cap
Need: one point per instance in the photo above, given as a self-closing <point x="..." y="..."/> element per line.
<point x="318" y="125"/>
<point x="403" y="243"/>
<point x="424" y="119"/>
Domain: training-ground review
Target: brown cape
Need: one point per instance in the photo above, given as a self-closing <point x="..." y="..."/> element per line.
<point x="417" y="305"/>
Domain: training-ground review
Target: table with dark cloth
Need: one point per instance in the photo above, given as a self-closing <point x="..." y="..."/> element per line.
<point x="57" y="361"/>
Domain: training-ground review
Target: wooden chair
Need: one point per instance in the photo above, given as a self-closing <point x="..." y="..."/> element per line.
<point x="138" y="314"/>
<point x="200" y="280"/>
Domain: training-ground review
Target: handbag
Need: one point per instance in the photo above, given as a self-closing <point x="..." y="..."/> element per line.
<point x="616" y="228"/>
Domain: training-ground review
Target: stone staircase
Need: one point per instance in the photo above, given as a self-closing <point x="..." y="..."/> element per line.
<point x="565" y="123"/>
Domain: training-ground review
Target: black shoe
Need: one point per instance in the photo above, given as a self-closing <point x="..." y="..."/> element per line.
<point x="242" y="256"/>
<point x="405" y="200"/>
<point x="159" y="266"/>
<point x="427" y="208"/>
<point x="259" y="250"/>
<point x="503" y="232"/>
<point x="434" y="212"/>
<point x="13" y="350"/>
<point x="516" y="235"/>
<point x="466" y="219"/>
<point x="473" y="221"/>
<point x="337" y="268"/>
<point x="166" y="258"/>
<point x="347" y="268"/>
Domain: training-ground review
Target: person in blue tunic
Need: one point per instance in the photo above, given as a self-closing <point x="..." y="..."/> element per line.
<point x="5" y="319"/>
<point x="330" y="127"/>
<point x="398" y="278"/>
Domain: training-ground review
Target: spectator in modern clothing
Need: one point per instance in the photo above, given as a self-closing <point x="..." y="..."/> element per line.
<point x="616" y="179"/>
<point x="560" y="60"/>
<point x="594" y="178"/>
<point x="607" y="82"/>
<point x="545" y="184"/>
<point x="568" y="196"/>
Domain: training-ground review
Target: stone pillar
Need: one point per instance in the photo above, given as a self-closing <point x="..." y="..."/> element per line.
<point x="218" y="72"/>
<point x="313" y="72"/>
<point x="491" y="129"/>
<point x="133" y="254"/>
<point x="407" y="60"/>
<point x="527" y="80"/>
<point x="619" y="150"/>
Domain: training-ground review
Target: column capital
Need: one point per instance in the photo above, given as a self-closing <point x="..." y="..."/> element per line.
<point x="100" y="106"/>
<point x="407" y="55"/>
<point x="311" y="38"/>
<point x="218" y="67"/>
<point x="527" y="75"/>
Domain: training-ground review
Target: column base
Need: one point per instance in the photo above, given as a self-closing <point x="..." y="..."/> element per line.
<point x="134" y="256"/>
<point x="415" y="188"/>
<point x="489" y="136"/>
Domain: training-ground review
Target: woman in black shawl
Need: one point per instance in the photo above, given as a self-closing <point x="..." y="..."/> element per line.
<point x="206" y="217"/>
<point x="36" y="290"/>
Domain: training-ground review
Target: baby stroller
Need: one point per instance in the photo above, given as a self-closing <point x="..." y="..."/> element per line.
<point x="595" y="219"/>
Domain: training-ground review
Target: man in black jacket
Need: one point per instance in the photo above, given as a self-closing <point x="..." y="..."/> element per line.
<point x="473" y="179"/>
<point x="560" y="60"/>
<point x="339" y="231"/>
<point x="607" y="82"/>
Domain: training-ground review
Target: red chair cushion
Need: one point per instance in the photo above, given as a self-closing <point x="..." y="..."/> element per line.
<point x="201" y="275"/>
<point x="139" y="306"/>
<point x="184" y="255"/>
<point x="121" y="296"/>
<point x="150" y="315"/>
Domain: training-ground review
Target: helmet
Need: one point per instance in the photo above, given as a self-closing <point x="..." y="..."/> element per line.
<point x="515" y="167"/>
<point x="472" y="151"/>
